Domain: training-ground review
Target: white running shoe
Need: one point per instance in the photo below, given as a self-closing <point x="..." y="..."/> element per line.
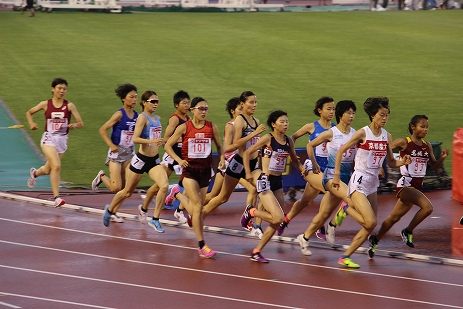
<point x="379" y="8"/>
<point x="330" y="234"/>
<point x="304" y="245"/>
<point x="97" y="181"/>
<point x="142" y="215"/>
<point x="59" y="202"/>
<point x="256" y="232"/>
<point x="32" y="179"/>
<point x="117" y="219"/>
<point x="180" y="216"/>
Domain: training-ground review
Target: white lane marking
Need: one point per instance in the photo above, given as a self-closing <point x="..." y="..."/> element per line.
<point x="54" y="300"/>
<point x="229" y="298"/>
<point x="8" y="305"/>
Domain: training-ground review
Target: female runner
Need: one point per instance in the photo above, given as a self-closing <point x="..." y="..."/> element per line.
<point x="197" y="136"/>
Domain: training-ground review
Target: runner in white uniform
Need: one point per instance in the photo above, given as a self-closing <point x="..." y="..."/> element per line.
<point x="374" y="145"/>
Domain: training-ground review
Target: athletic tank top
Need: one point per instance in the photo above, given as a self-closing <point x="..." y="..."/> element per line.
<point x="248" y="130"/>
<point x="338" y="140"/>
<point x="370" y="155"/>
<point x="154" y="128"/>
<point x="57" y="119"/>
<point x="229" y="154"/>
<point x="277" y="153"/>
<point x="419" y="156"/>
<point x="320" y="152"/>
<point x="122" y="132"/>
<point x="197" y="145"/>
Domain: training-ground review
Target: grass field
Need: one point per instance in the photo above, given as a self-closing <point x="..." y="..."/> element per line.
<point x="288" y="59"/>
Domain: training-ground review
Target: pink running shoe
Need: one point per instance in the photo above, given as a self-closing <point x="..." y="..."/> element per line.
<point x="206" y="252"/>
<point x="171" y="197"/>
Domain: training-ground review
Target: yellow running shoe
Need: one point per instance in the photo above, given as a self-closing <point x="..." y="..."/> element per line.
<point x="347" y="262"/>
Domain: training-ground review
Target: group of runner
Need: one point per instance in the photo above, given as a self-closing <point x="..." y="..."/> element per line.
<point x="343" y="164"/>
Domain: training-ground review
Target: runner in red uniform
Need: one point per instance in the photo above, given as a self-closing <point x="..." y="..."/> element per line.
<point x="197" y="136"/>
<point x="409" y="185"/>
<point x="58" y="112"/>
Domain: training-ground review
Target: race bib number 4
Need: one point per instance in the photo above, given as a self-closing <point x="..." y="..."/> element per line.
<point x="199" y="148"/>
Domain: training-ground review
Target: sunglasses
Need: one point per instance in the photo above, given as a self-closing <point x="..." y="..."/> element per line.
<point x="154" y="101"/>
<point x="201" y="108"/>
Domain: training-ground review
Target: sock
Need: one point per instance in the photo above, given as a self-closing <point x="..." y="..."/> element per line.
<point x="144" y="210"/>
<point x="254" y="251"/>
<point x="201" y="244"/>
<point x="345" y="256"/>
<point x="156" y="219"/>
<point x="251" y="211"/>
<point x="179" y="210"/>
<point x="331" y="224"/>
<point x="375" y="240"/>
<point x="56" y="197"/>
<point x="407" y="232"/>
<point x="345" y="208"/>
<point x="306" y="239"/>
<point x="287" y="220"/>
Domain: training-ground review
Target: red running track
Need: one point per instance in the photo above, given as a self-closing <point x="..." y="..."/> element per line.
<point x="60" y="258"/>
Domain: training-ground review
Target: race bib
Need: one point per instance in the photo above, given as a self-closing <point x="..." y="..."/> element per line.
<point x="262" y="184"/>
<point x="155" y="132"/>
<point x="252" y="141"/>
<point x="321" y="150"/>
<point x="126" y="139"/>
<point x="235" y="166"/>
<point x="418" y="167"/>
<point x="137" y="163"/>
<point x="376" y="158"/>
<point x="112" y="155"/>
<point x="57" y="126"/>
<point x="278" y="161"/>
<point x="199" y="148"/>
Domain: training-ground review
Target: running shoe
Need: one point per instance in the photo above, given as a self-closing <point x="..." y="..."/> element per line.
<point x="321" y="233"/>
<point x="106" y="216"/>
<point x="180" y="216"/>
<point x="304" y="245"/>
<point x="331" y="234"/>
<point x="246" y="217"/>
<point x="32" y="179"/>
<point x="117" y="219"/>
<point x="372" y="246"/>
<point x="348" y="262"/>
<point x="407" y="238"/>
<point x="250" y="226"/>
<point x="282" y="227"/>
<point x="156" y="225"/>
<point x="142" y="214"/>
<point x="97" y="181"/>
<point x="257" y="232"/>
<point x="461" y="220"/>
<point x="59" y="202"/>
<point x="171" y="196"/>
<point x="341" y="214"/>
<point x="257" y="257"/>
<point x="206" y="252"/>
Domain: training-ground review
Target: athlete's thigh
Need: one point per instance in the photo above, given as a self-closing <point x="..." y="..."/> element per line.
<point x="271" y="203"/>
<point x="192" y="190"/>
<point x="158" y="175"/>
<point x="315" y="181"/>
<point x="116" y="170"/>
<point x="51" y="154"/>
<point x="414" y="197"/>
